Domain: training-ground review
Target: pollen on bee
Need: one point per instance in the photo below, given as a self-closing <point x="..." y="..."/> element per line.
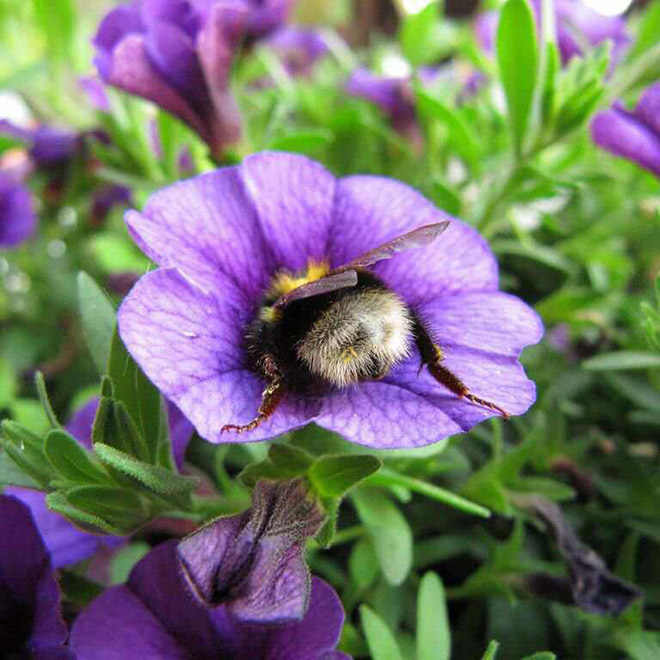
<point x="284" y="281"/>
<point x="269" y="314"/>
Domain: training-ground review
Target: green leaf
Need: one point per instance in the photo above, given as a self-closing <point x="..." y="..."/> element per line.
<point x="423" y="36"/>
<point x="291" y="459"/>
<point x="7" y="384"/>
<point x="26" y="450"/>
<point x="433" y="633"/>
<point x="113" y="426"/>
<point x="70" y="460"/>
<point x="491" y="651"/>
<point x="57" y="19"/>
<point x="262" y="470"/>
<point x="58" y="503"/>
<point x="327" y="532"/>
<point x="124" y="559"/>
<point x="362" y="564"/>
<point x="303" y="142"/>
<point x="40" y="384"/>
<point x="333" y="476"/>
<point x="541" y="655"/>
<point x="381" y="641"/>
<point x="623" y="360"/>
<point x="389" y="531"/>
<point x="12" y="475"/>
<point x="140" y="396"/>
<point x="648" y="34"/>
<point x="517" y="57"/>
<point x="117" y="506"/>
<point x="98" y="320"/>
<point x="156" y="479"/>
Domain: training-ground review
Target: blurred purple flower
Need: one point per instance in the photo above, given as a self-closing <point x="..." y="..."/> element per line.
<point x="576" y="26"/>
<point x="265" y="16"/>
<point x="299" y="48"/>
<point x="96" y="93"/>
<point x="31" y="624"/>
<point x="155" y="616"/>
<point x="253" y="564"/>
<point x="18" y="219"/>
<point x="105" y="199"/>
<point x="177" y="54"/>
<point x="633" y="135"/>
<point x="66" y="543"/>
<point x="220" y="238"/>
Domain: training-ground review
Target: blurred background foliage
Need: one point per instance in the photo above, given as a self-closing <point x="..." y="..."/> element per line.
<point x="576" y="232"/>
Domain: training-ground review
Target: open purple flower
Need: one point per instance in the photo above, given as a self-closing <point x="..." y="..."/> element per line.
<point x="227" y="240"/>
<point x="253" y="564"/>
<point x="66" y="543"/>
<point x="155" y="616"/>
<point x="577" y="26"/>
<point x="299" y="48"/>
<point x="178" y="54"/>
<point x="633" y="135"/>
<point x="17" y="217"/>
<point x="30" y="621"/>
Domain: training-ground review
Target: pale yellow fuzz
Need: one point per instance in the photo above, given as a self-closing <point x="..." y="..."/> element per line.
<point x="284" y="282"/>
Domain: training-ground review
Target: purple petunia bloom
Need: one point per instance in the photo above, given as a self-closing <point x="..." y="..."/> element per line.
<point x="30" y="621"/>
<point x="633" y="135"/>
<point x="577" y="26"/>
<point x="155" y="616"/>
<point x="253" y="564"/>
<point x="17" y="217"/>
<point x="299" y="48"/>
<point x="66" y="543"/>
<point x="177" y="54"/>
<point x="222" y="238"/>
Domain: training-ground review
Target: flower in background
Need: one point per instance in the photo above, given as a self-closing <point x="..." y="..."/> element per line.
<point x="265" y="16"/>
<point x="18" y="219"/>
<point x="105" y="199"/>
<point x="155" y="616"/>
<point x="299" y="48"/>
<point x="177" y="54"/>
<point x="253" y="564"/>
<point x="66" y="543"/>
<point x="222" y="238"/>
<point x="577" y="26"/>
<point x="633" y="135"/>
<point x="31" y="624"/>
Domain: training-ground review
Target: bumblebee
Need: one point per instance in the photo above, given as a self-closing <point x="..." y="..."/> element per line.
<point x="334" y="328"/>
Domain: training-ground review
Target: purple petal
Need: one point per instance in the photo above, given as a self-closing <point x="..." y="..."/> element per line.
<point x="492" y="322"/>
<point x="26" y="574"/>
<point x="294" y="199"/>
<point x="118" y="24"/>
<point x="181" y="431"/>
<point x="648" y="108"/>
<point x="622" y="134"/>
<point x="18" y="220"/>
<point x="95" y="92"/>
<point x="317" y="634"/>
<point x="189" y="343"/>
<point x="180" y="13"/>
<point x="81" y="422"/>
<point x="267" y="15"/>
<point x="118" y="626"/>
<point x="372" y="210"/>
<point x="391" y="95"/>
<point x="131" y="70"/>
<point x="485" y="28"/>
<point x="299" y="48"/>
<point x="206" y="227"/>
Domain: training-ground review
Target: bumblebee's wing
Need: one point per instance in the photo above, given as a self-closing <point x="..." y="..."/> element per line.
<point x="415" y="238"/>
<point x="341" y="280"/>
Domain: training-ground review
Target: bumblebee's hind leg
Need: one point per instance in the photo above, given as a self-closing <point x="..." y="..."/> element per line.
<point x="270" y="398"/>
<point x="432" y="356"/>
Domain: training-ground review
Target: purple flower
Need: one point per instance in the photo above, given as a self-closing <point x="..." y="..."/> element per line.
<point x="155" y="616"/>
<point x="178" y="54"/>
<point x="266" y="15"/>
<point x="17" y="217"/>
<point x="66" y="543"/>
<point x="576" y="26"/>
<point x="96" y="93"/>
<point x="225" y="238"/>
<point x="105" y="199"/>
<point x="253" y="564"/>
<point x="30" y="621"/>
<point x="633" y="135"/>
<point x="299" y="48"/>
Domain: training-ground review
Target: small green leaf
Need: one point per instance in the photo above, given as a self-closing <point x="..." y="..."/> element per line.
<point x="303" y="142"/>
<point x="70" y="460"/>
<point x="622" y="360"/>
<point x="541" y="655"/>
<point x="648" y="34"/>
<point x="433" y="633"/>
<point x="26" y="450"/>
<point x="57" y="19"/>
<point x="119" y="507"/>
<point x="262" y="470"/>
<point x="153" y="478"/>
<point x="291" y="459"/>
<point x="333" y="476"/>
<point x="98" y="320"/>
<point x="423" y="36"/>
<point x="389" y="531"/>
<point x="12" y="475"/>
<point x="327" y="532"/>
<point x="517" y="57"/>
<point x="40" y="384"/>
<point x="381" y="641"/>
<point x="124" y="559"/>
<point x="58" y="503"/>
<point x="491" y="651"/>
<point x="362" y="564"/>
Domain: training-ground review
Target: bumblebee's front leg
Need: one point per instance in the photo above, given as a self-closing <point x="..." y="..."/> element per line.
<point x="432" y="356"/>
<point x="270" y="398"/>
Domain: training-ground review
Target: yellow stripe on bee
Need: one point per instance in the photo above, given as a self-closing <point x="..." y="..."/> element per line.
<point x="284" y="282"/>
<point x="269" y="314"/>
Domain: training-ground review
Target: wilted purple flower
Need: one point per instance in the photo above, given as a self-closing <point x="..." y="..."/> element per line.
<point x="299" y="48"/>
<point x="178" y="54"/>
<point x="30" y="621"/>
<point x="155" y="616"/>
<point x="253" y="564"/>
<point x="576" y="25"/>
<point x="633" y="135"/>
<point x="66" y="543"/>
<point x="17" y="217"/>
<point x="222" y="238"/>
